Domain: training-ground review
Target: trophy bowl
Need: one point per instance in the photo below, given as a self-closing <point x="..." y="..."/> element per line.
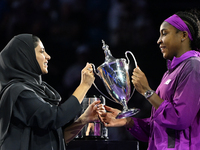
<point x="115" y="76"/>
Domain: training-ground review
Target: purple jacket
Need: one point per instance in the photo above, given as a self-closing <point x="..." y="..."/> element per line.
<point x="175" y="125"/>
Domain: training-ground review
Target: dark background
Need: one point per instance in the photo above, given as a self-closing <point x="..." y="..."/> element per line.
<point x="72" y="30"/>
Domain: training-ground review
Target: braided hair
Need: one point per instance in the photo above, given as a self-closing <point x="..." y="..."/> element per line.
<point x="192" y="20"/>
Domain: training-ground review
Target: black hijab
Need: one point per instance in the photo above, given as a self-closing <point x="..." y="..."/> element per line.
<point x="19" y="71"/>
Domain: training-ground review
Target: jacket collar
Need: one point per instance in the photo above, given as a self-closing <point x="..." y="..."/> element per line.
<point x="177" y="60"/>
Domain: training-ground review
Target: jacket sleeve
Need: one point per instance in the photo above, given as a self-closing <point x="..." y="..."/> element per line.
<point x="33" y="111"/>
<point x="140" y="129"/>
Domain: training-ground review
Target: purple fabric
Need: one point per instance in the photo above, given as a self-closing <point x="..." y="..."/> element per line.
<point x="175" y="125"/>
<point x="178" y="23"/>
<point x="172" y="64"/>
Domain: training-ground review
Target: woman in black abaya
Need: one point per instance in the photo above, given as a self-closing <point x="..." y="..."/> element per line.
<point x="30" y="115"/>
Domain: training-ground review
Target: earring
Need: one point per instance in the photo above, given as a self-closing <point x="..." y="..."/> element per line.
<point x="182" y="40"/>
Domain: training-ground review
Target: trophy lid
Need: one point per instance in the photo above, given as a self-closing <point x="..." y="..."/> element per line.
<point x="108" y="56"/>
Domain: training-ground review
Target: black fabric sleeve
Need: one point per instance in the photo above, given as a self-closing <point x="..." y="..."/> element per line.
<point x="33" y="111"/>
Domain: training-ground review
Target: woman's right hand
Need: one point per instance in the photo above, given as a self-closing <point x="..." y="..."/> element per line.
<point x="87" y="75"/>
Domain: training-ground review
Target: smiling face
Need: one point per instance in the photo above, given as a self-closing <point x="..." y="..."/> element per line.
<point x="42" y="57"/>
<point x="170" y="41"/>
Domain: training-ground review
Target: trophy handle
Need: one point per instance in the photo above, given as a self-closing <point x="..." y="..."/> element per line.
<point x="132" y="56"/>
<point x="96" y="86"/>
<point x="95" y="69"/>
<point x="128" y="65"/>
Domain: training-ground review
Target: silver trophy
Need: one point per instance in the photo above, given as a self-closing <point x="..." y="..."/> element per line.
<point x="115" y="76"/>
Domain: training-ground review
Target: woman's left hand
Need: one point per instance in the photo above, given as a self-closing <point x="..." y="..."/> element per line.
<point x="90" y="113"/>
<point x="139" y="81"/>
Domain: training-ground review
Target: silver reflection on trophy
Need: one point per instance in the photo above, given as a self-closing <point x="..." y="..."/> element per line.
<point x="115" y="76"/>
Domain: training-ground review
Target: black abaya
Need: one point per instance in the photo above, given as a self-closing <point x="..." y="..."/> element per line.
<point x="30" y="115"/>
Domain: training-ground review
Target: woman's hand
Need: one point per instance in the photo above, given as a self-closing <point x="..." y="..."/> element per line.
<point x="139" y="81"/>
<point x="87" y="75"/>
<point x="109" y="118"/>
<point x="90" y="113"/>
<point x="141" y="84"/>
<point x="87" y="78"/>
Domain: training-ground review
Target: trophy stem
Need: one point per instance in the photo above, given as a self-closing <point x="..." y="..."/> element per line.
<point x="124" y="104"/>
<point x="127" y="112"/>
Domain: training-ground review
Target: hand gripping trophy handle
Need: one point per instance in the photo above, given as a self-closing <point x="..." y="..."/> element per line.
<point x="115" y="75"/>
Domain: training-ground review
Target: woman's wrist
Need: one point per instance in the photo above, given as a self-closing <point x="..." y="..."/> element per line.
<point x="121" y="122"/>
<point x="129" y="122"/>
<point x="82" y="120"/>
<point x="81" y="91"/>
<point x="85" y="86"/>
